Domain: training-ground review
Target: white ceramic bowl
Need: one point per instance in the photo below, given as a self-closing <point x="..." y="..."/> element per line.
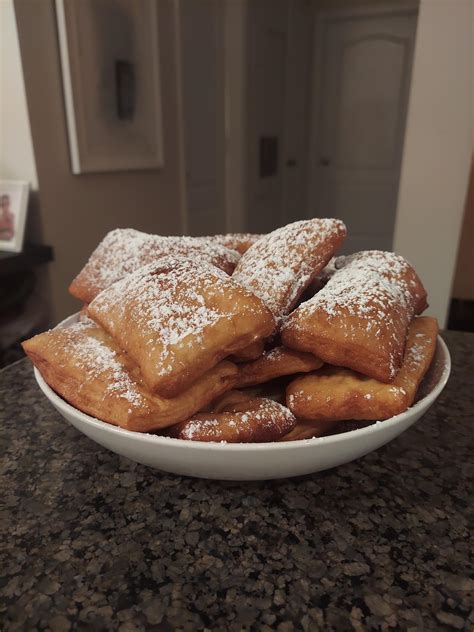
<point x="253" y="461"/>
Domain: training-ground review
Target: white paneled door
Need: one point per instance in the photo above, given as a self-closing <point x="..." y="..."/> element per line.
<point x="361" y="86"/>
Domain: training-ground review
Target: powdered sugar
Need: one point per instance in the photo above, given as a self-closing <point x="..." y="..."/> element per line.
<point x="279" y="266"/>
<point x="170" y="306"/>
<point x="373" y="291"/>
<point x="373" y="286"/>
<point x="275" y="354"/>
<point x="124" y="250"/>
<point x="368" y="285"/>
<point x="97" y="360"/>
<point x="267" y="420"/>
<point x="194" y="427"/>
<point x="416" y="352"/>
<point x="240" y="242"/>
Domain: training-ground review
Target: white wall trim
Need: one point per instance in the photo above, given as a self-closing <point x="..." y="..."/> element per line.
<point x="67" y="86"/>
<point x="438" y="148"/>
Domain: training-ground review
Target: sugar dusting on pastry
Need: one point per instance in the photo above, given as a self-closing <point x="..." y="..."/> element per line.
<point x="173" y="303"/>
<point x="268" y="421"/>
<point x="97" y="359"/>
<point x="169" y="301"/>
<point x="124" y="250"/>
<point x="279" y="266"/>
<point x="374" y="286"/>
<point x="240" y="242"/>
<point x="369" y="283"/>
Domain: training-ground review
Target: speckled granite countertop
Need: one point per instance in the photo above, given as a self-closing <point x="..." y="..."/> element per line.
<point x="92" y="541"/>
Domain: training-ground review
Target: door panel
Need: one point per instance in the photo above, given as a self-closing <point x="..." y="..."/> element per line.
<point x="363" y="66"/>
<point x="366" y="72"/>
<point x="267" y="23"/>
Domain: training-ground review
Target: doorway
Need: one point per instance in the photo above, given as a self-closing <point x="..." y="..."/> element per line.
<point x="278" y="88"/>
<point x="360" y="87"/>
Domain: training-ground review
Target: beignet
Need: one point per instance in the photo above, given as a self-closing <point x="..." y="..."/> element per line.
<point x="240" y="242"/>
<point x="276" y="363"/>
<point x="305" y="429"/>
<point x="85" y="366"/>
<point x="178" y="318"/>
<point x="125" y="250"/>
<point x="254" y="420"/>
<point x="334" y="393"/>
<point x="279" y="266"/>
<point x="359" y="319"/>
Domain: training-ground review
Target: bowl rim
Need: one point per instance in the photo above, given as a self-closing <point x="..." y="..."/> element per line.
<point x="144" y="437"/>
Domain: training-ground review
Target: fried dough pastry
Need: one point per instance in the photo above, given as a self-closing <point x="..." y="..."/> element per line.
<point x="359" y="319"/>
<point x="178" y="318"/>
<point x="335" y="393"/>
<point x="228" y="399"/>
<point x="125" y="250"/>
<point x="85" y="366"/>
<point x="280" y="265"/>
<point x="322" y="278"/>
<point x="252" y="352"/>
<point x="240" y="242"/>
<point x="251" y="421"/>
<point x="308" y="429"/>
<point x="275" y="363"/>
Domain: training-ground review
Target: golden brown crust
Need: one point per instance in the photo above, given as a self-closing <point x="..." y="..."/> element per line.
<point x="125" y="250"/>
<point x="84" y="365"/>
<point x="419" y="353"/>
<point x="229" y="399"/>
<point x="335" y="393"/>
<point x="359" y="319"/>
<point x="252" y="352"/>
<point x="276" y="363"/>
<point x="280" y="265"/>
<point x="254" y="420"/>
<point x="308" y="429"/>
<point x="179" y="318"/>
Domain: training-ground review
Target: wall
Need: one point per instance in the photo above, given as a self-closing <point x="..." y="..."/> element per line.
<point x="463" y="285"/>
<point x="202" y="37"/>
<point x="76" y="211"/>
<point x="17" y="161"/>
<point x="438" y="146"/>
<point x="235" y="22"/>
<point x="322" y="5"/>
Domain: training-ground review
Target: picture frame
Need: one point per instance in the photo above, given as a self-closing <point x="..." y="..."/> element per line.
<point x="111" y="83"/>
<point x="13" y="208"/>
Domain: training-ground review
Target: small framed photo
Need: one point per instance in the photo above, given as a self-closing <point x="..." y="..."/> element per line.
<point x="13" y="207"/>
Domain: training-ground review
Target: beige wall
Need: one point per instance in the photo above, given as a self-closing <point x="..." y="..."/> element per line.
<point x="236" y="47"/>
<point x="17" y="161"/>
<point x="76" y="211"/>
<point x="438" y="148"/>
<point x="322" y="5"/>
<point x="463" y="286"/>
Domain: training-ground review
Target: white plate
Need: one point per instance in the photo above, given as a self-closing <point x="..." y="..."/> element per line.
<point x="253" y="461"/>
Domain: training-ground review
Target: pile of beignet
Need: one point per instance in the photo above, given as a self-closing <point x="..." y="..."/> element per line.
<point x="240" y="337"/>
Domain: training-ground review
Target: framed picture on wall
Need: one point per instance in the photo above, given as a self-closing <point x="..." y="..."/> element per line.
<point x="111" y="83"/>
<point x="13" y="207"/>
